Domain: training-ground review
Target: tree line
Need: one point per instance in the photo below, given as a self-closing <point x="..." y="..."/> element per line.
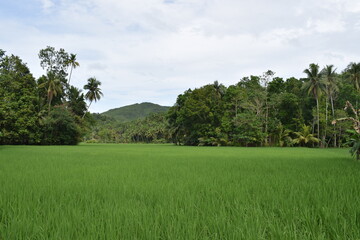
<point x="151" y="129"/>
<point x="264" y="110"/>
<point x="269" y="111"/>
<point x="47" y="110"/>
<point x="257" y="111"/>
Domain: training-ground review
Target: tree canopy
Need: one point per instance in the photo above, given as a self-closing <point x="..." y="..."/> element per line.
<point x="43" y="111"/>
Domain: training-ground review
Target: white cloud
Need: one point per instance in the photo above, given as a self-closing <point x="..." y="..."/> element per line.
<point x="47" y="5"/>
<point x="153" y="50"/>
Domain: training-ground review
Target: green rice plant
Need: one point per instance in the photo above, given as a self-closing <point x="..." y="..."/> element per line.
<point x="108" y="191"/>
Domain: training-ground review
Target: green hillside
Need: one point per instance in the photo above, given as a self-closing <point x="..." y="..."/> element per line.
<point x="134" y="111"/>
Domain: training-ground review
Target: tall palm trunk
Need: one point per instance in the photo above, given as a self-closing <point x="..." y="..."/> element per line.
<point x="333" y="113"/>
<point x="266" y="123"/>
<point x="50" y="97"/>
<point x="326" y="121"/>
<point x="71" y="68"/>
<point x="318" y="119"/>
<point x="86" y="110"/>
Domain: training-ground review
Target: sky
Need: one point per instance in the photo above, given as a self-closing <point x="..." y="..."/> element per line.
<point x="154" y="50"/>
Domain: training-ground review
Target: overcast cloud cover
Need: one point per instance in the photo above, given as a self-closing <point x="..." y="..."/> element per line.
<point x="153" y="50"/>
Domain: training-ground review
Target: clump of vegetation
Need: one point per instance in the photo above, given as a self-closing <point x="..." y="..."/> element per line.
<point x="305" y="138"/>
<point x="47" y="110"/>
<point x="354" y="141"/>
<point x="60" y="128"/>
<point x="261" y="110"/>
<point x="267" y="110"/>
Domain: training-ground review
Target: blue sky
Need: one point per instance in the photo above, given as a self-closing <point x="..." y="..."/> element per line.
<point x="153" y="50"/>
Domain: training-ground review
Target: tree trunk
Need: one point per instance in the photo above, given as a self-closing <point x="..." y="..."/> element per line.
<point x="333" y="113"/>
<point x="236" y="109"/>
<point x="266" y="114"/>
<point x="318" y="119"/>
<point x="70" y="75"/>
<point x="266" y="122"/>
<point x="326" y="122"/>
<point x="340" y="135"/>
<point x="86" y="110"/>
<point x="50" y="100"/>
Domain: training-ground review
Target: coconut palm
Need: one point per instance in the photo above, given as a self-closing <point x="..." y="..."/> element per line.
<point x="305" y="137"/>
<point x="284" y="137"/>
<point x="219" y="89"/>
<point x="94" y="92"/>
<point x="73" y="64"/>
<point x="53" y="87"/>
<point x="314" y="86"/>
<point x="330" y="79"/>
<point x="353" y="69"/>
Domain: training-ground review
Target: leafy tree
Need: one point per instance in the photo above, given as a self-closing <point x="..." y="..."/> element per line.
<point x="276" y="86"/>
<point x="54" y="61"/>
<point x="196" y="115"/>
<point x="18" y="102"/>
<point x="247" y="130"/>
<point x="60" y="128"/>
<point x="288" y="111"/>
<point x="177" y="122"/>
<point x="76" y="101"/>
<point x="94" y="92"/>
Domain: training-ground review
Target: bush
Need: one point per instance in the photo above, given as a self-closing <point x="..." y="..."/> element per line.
<point x="60" y="128"/>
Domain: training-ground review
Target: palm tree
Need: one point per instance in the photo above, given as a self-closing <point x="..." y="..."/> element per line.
<point x="219" y="89"/>
<point x="305" y="137"/>
<point x="353" y="69"/>
<point x="284" y="137"/>
<point x="315" y="87"/>
<point x="53" y="87"/>
<point x="72" y="63"/>
<point x="330" y="78"/>
<point x="94" y="92"/>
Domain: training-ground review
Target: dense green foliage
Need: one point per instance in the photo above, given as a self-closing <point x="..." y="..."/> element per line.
<point x="152" y="129"/>
<point x="167" y="192"/>
<point x="43" y="111"/>
<point x="60" y="128"/>
<point x="135" y="111"/>
<point x="354" y="141"/>
<point x="257" y="111"/>
<point x="266" y="110"/>
<point x="18" y="103"/>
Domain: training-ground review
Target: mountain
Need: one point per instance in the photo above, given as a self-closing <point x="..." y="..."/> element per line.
<point x="135" y="111"/>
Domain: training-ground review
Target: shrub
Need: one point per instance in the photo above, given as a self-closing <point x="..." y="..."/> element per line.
<point x="60" y="128"/>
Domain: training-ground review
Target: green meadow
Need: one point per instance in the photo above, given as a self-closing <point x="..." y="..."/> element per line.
<point x="171" y="192"/>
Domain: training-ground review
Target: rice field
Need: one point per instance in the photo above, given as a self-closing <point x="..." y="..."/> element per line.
<point x="106" y="191"/>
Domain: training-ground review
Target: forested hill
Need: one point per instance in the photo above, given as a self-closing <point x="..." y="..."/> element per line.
<point x="135" y="111"/>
